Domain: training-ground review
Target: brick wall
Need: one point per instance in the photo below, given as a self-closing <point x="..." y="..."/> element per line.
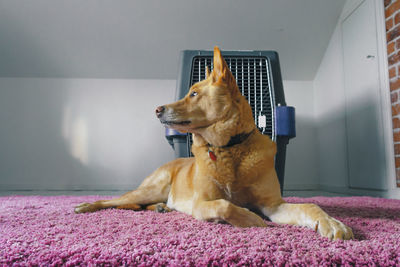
<point x="392" y="14"/>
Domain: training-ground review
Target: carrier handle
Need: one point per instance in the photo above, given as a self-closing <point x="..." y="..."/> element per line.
<point x="170" y="134"/>
<point x="285" y="121"/>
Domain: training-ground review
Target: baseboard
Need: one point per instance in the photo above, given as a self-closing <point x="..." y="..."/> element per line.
<point x="353" y="191"/>
<point x="36" y="187"/>
<point x="300" y="187"/>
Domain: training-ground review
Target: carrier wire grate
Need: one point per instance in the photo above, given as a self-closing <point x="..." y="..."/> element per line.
<point x="253" y="79"/>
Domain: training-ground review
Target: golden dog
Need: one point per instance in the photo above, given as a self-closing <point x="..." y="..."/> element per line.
<point x="233" y="168"/>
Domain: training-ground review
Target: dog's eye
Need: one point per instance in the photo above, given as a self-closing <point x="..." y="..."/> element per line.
<point x="194" y="93"/>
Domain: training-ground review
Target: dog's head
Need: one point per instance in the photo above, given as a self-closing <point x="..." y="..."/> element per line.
<point x="208" y="103"/>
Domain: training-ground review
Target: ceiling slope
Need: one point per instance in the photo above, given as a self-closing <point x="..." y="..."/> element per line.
<point x="142" y="39"/>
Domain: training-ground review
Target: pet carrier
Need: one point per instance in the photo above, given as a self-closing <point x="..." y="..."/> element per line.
<point x="259" y="79"/>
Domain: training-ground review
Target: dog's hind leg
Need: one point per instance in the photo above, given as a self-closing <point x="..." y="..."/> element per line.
<point x="154" y="189"/>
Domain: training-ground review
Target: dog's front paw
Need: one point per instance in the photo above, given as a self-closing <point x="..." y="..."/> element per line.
<point x="333" y="229"/>
<point x="244" y="218"/>
<point x="86" y="207"/>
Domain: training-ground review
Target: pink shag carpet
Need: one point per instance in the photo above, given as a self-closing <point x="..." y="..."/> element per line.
<point x="38" y="230"/>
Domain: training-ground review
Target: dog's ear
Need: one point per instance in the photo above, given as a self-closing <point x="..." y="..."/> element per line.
<point x="207" y="72"/>
<point x="220" y="67"/>
<point x="221" y="71"/>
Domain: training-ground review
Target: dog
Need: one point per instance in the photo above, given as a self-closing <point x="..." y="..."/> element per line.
<point x="232" y="172"/>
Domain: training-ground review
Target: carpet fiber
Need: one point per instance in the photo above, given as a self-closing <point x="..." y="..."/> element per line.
<point x="38" y="230"/>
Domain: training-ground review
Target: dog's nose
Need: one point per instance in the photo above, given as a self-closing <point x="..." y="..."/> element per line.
<point x="159" y="111"/>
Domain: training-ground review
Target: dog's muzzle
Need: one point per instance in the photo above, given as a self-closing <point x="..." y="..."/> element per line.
<point x="169" y="119"/>
<point x="160" y="111"/>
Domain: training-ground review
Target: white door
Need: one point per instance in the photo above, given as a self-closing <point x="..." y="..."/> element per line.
<point x="365" y="146"/>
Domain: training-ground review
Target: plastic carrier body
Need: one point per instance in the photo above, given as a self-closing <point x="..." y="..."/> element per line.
<point x="259" y="79"/>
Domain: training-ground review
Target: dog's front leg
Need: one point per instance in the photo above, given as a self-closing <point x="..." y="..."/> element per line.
<point x="223" y="210"/>
<point x="309" y="215"/>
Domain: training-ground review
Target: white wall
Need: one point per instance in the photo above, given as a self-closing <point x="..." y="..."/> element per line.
<point x="92" y="134"/>
<point x="80" y="133"/>
<point x="329" y="102"/>
<point x="301" y="159"/>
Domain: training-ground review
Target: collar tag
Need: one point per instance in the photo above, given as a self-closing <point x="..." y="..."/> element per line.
<point x="212" y="155"/>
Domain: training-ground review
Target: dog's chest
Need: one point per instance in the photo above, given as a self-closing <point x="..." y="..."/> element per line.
<point x="231" y="170"/>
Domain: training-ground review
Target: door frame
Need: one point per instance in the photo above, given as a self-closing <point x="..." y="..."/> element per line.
<point x="386" y="104"/>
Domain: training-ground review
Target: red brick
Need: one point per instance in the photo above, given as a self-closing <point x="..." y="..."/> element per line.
<point x="394" y="33"/>
<point x="394" y="97"/>
<point x="395" y="109"/>
<point x="396" y="136"/>
<point x="398" y="177"/>
<point x="389" y="24"/>
<point x="397" y="149"/>
<point x="393" y="7"/>
<point x="394" y="85"/>
<point x="387" y="2"/>
<point x="397" y="18"/>
<point x="397" y="162"/>
<point x="392" y="72"/>
<point x="396" y="123"/>
<point x="393" y="59"/>
<point x="397" y="43"/>
<point x="390" y="48"/>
